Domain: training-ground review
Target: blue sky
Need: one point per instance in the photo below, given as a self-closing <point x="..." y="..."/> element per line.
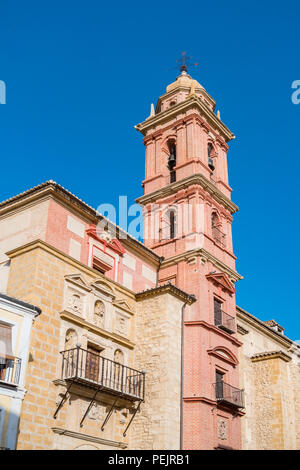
<point x="80" y="75"/>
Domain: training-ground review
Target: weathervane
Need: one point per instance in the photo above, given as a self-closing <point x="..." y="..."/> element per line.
<point x="184" y="62"/>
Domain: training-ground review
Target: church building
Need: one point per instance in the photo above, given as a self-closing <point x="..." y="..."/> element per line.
<point x="141" y="345"/>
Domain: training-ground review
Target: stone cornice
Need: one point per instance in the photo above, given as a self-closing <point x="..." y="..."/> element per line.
<point x="52" y="190"/>
<point x="207" y="256"/>
<point x="167" y="289"/>
<point x="95" y="329"/>
<point x="241" y="330"/>
<point x="40" y="244"/>
<point x="87" y="437"/>
<point x="264" y="356"/>
<point x="174" y="111"/>
<point x="174" y="91"/>
<point x="195" y="179"/>
<point x="259" y="325"/>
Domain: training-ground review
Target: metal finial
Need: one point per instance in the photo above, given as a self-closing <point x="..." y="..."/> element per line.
<point x="184" y="62"/>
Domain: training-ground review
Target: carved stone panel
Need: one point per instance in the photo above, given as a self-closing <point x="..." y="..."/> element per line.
<point x="121" y="325"/>
<point x="99" y="313"/>
<point x="222" y="429"/>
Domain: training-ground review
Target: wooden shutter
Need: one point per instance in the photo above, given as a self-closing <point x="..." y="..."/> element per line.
<point x="92" y="364"/>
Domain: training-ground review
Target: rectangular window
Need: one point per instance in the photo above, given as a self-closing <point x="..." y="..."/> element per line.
<point x="6" y="354"/>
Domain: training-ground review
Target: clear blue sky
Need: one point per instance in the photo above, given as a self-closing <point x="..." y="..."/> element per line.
<point x="80" y="75"/>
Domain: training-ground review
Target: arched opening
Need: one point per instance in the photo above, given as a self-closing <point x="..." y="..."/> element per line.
<point x="210" y="150"/>
<point x="118" y="369"/>
<point x="172" y="224"/>
<point x="99" y="310"/>
<point x="70" y="355"/>
<point x="216" y="226"/>
<point x="70" y="339"/>
<point x="172" y="161"/>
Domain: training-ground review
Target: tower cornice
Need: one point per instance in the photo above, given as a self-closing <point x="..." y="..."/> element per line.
<point x="205" y="256"/>
<point x="195" y="179"/>
<point x="189" y="102"/>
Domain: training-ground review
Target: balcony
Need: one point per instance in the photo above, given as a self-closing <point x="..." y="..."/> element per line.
<point x="218" y="236"/>
<point x="10" y="370"/>
<point x="94" y="371"/>
<point x="229" y="395"/>
<point x="225" y="322"/>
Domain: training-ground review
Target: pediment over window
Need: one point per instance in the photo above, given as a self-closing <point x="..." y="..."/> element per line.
<point x="106" y="239"/>
<point x="124" y="305"/>
<point x="222" y="280"/>
<point x="79" y="281"/>
<point x="104" y="288"/>
<point x="223" y="353"/>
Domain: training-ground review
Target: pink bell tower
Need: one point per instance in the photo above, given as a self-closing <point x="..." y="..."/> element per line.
<point x="188" y="216"/>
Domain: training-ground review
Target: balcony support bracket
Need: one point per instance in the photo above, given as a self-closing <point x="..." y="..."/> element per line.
<point x="132" y="417"/>
<point x="90" y="405"/>
<point x="62" y="401"/>
<point x="109" y="414"/>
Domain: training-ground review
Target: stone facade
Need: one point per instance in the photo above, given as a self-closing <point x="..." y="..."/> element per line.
<point x="269" y="370"/>
<point x="74" y="299"/>
<point x="158" y="350"/>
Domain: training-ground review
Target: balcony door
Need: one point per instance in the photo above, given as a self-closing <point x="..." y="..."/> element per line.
<point x="218" y="312"/>
<point x="219" y="385"/>
<point x="92" y="367"/>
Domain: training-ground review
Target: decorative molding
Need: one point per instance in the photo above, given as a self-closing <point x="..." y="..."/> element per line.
<point x="223" y="353"/>
<point x="40" y="244"/>
<point x="217" y="330"/>
<point x="105" y="238"/>
<point x="123" y="305"/>
<point x="104" y="288"/>
<point x="52" y="190"/>
<point x="174" y="111"/>
<point x="205" y="256"/>
<point x="78" y="280"/>
<point x="87" y="437"/>
<point x="96" y="329"/>
<point x="222" y="280"/>
<point x="263" y="356"/>
<point x="167" y="289"/>
<point x="242" y="330"/>
<point x="195" y="179"/>
<point x="262" y="327"/>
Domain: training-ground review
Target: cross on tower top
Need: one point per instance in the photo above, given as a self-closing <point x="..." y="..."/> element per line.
<point x="184" y="62"/>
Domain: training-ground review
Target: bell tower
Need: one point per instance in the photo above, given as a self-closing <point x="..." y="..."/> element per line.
<point x="188" y="215"/>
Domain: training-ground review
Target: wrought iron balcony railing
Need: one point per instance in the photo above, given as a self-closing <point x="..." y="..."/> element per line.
<point x="224" y="321"/>
<point x="10" y="369"/>
<point x="218" y="236"/>
<point x="229" y="395"/>
<point x="93" y="370"/>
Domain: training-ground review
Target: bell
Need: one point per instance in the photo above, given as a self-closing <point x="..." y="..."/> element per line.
<point x="172" y="158"/>
<point x="211" y="163"/>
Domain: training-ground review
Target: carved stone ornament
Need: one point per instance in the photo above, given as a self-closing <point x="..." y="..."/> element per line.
<point x="99" y="311"/>
<point x="222" y="429"/>
<point x="75" y="303"/>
